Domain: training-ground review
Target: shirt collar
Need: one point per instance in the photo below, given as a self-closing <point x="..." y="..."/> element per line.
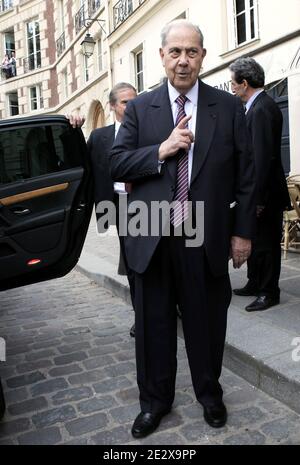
<point x="192" y="94"/>
<point x="117" y="127"/>
<point x="251" y="99"/>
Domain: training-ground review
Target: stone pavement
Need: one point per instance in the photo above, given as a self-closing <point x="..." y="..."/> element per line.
<point x="259" y="345"/>
<point x="69" y="377"/>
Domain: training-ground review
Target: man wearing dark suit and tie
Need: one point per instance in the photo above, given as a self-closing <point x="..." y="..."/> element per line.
<point x="264" y="121"/>
<point x="99" y="145"/>
<point x="208" y="162"/>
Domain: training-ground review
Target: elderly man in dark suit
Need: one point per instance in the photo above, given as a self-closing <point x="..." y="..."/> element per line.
<point x="99" y="145"/>
<point x="264" y="121"/>
<point x="167" y="161"/>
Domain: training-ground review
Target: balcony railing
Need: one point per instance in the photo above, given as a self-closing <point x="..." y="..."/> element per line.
<point x="6" y="5"/>
<point x="79" y="19"/>
<point x="60" y="44"/>
<point x="32" y="62"/>
<point x="93" y="6"/>
<point x="123" y="9"/>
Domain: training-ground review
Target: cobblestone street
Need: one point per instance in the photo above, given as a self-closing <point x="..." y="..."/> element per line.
<point x="69" y="377"/>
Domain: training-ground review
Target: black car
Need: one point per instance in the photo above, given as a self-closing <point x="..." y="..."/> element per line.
<point x="46" y="200"/>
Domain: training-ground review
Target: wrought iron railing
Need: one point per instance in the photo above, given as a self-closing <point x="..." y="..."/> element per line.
<point x="93" y="6"/>
<point x="32" y="62"/>
<point x="60" y="44"/>
<point x="6" y="5"/>
<point x="121" y="11"/>
<point x="79" y="19"/>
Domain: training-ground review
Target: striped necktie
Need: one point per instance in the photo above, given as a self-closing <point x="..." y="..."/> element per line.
<point x="180" y="212"/>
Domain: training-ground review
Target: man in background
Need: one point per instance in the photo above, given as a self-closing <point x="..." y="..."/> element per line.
<point x="264" y="121"/>
<point x="99" y="146"/>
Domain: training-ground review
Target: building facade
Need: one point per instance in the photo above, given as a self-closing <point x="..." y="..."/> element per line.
<point x="52" y="75"/>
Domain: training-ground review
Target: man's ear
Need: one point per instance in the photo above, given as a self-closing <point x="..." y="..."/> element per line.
<point x="162" y="56"/>
<point x="204" y="53"/>
<point x="245" y="82"/>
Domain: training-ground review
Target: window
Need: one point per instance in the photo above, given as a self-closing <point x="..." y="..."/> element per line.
<point x="36" y="99"/>
<point x="61" y="18"/>
<point x="181" y="16"/>
<point x="245" y="21"/>
<point x="13" y="104"/>
<point x="9" y="42"/>
<point x="86" y="68"/>
<point x="100" y="54"/>
<point x="139" y="71"/>
<point x="26" y="152"/>
<point x="65" y="83"/>
<point x="5" y="5"/>
<point x="34" y="45"/>
<point x="93" y="6"/>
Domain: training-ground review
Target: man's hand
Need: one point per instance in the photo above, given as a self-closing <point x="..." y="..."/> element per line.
<point x="259" y="210"/>
<point x="76" y="120"/>
<point x="240" y="250"/>
<point x="180" y="138"/>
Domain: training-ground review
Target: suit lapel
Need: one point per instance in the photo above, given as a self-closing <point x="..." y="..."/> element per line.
<point x="109" y="136"/>
<point x="205" y="127"/>
<point x="162" y="122"/>
<point x="258" y="98"/>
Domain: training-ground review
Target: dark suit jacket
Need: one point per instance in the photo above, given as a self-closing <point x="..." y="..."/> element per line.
<point x="222" y="169"/>
<point x="264" y="121"/>
<point x="99" y="146"/>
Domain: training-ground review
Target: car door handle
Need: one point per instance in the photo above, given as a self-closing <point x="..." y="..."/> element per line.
<point x="20" y="211"/>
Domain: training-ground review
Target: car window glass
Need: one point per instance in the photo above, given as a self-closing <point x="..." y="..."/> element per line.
<point x="27" y="152"/>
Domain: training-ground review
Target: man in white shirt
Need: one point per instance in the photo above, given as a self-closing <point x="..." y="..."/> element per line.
<point x="99" y="146"/>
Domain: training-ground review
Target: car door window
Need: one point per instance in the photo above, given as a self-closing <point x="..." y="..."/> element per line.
<point x="46" y="199"/>
<point x="28" y="152"/>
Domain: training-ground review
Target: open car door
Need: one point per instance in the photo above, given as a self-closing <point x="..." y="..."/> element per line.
<point x="46" y="199"/>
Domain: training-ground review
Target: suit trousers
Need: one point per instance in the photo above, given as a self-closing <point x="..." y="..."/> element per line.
<point x="123" y="264"/>
<point x="264" y="263"/>
<point x="179" y="274"/>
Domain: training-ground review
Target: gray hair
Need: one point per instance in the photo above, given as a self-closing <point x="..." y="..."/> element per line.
<point x="176" y="23"/>
<point x="250" y="70"/>
<point x="113" y="95"/>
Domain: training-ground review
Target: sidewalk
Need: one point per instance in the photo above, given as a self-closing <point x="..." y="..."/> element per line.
<point x="259" y="345"/>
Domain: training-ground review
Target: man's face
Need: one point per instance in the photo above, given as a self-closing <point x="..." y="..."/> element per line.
<point x="182" y="57"/>
<point x="240" y="90"/>
<point x="123" y="96"/>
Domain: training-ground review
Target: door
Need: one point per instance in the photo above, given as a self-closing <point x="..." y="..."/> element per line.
<point x="279" y="92"/>
<point x="46" y="199"/>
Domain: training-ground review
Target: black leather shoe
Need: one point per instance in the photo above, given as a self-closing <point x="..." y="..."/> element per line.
<point x="146" y="423"/>
<point x="132" y="331"/>
<point x="246" y="291"/>
<point x="262" y="303"/>
<point x="215" y="416"/>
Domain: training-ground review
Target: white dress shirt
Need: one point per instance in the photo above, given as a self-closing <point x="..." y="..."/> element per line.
<point x="190" y="108"/>
<point x="251" y="99"/>
<point x="119" y="187"/>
